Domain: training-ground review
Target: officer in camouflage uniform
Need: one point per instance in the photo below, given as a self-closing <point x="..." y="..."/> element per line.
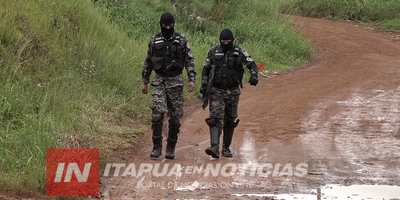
<point x="228" y="60"/>
<point x="168" y="53"/>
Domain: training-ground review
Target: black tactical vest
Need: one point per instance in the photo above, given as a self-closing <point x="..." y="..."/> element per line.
<point x="229" y="69"/>
<point x="168" y="56"/>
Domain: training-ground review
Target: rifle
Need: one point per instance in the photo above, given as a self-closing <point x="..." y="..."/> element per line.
<point x="206" y="95"/>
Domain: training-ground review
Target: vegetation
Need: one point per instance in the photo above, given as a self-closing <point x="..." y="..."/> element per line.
<point x="384" y="13"/>
<point x="71" y="70"/>
<point x="68" y="80"/>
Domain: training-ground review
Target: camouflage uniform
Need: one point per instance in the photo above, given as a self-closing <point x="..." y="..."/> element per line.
<point x="167" y="57"/>
<point x="225" y="92"/>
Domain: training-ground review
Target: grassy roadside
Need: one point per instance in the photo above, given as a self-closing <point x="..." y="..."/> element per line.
<point x="376" y="13"/>
<point x="70" y="70"/>
<point x="66" y="82"/>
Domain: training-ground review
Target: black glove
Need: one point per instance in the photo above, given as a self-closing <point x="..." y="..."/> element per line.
<point x="203" y="89"/>
<point x="253" y="78"/>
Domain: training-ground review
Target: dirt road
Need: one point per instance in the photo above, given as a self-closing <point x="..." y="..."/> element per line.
<point x="334" y="122"/>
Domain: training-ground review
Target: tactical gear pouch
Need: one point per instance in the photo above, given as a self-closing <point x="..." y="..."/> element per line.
<point x="218" y="61"/>
<point x="159" y="49"/>
<point x="225" y="76"/>
<point x="217" y="76"/>
<point x="159" y="45"/>
<point x="173" y="49"/>
<point x="231" y="62"/>
<point x="156" y="62"/>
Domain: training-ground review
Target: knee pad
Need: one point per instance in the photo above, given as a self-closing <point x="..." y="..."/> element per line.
<point x="174" y="123"/>
<point x="211" y="122"/>
<point x="231" y="124"/>
<point x="157" y="117"/>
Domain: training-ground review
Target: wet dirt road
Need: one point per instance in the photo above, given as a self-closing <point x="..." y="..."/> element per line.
<point x="335" y="121"/>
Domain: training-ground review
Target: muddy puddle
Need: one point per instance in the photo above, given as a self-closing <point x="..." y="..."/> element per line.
<point x="355" y="141"/>
<point x="334" y="192"/>
<point x="350" y="145"/>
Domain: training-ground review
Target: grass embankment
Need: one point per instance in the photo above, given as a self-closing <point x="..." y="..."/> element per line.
<point x="67" y="80"/>
<point x="378" y="13"/>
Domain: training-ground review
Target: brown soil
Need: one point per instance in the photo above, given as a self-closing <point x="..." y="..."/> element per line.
<point x="339" y="115"/>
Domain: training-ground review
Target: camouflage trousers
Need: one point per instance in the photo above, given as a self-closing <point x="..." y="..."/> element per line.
<point x="167" y="97"/>
<point x="224" y="105"/>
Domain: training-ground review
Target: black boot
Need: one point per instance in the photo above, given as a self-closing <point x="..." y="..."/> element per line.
<point x="215" y="133"/>
<point x="227" y="138"/>
<point x="157" y="140"/>
<point x="172" y="138"/>
<point x="169" y="154"/>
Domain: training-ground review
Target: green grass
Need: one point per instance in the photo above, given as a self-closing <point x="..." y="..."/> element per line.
<point x="71" y="71"/>
<point x="86" y="70"/>
<point x="384" y="12"/>
<point x="392" y="25"/>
